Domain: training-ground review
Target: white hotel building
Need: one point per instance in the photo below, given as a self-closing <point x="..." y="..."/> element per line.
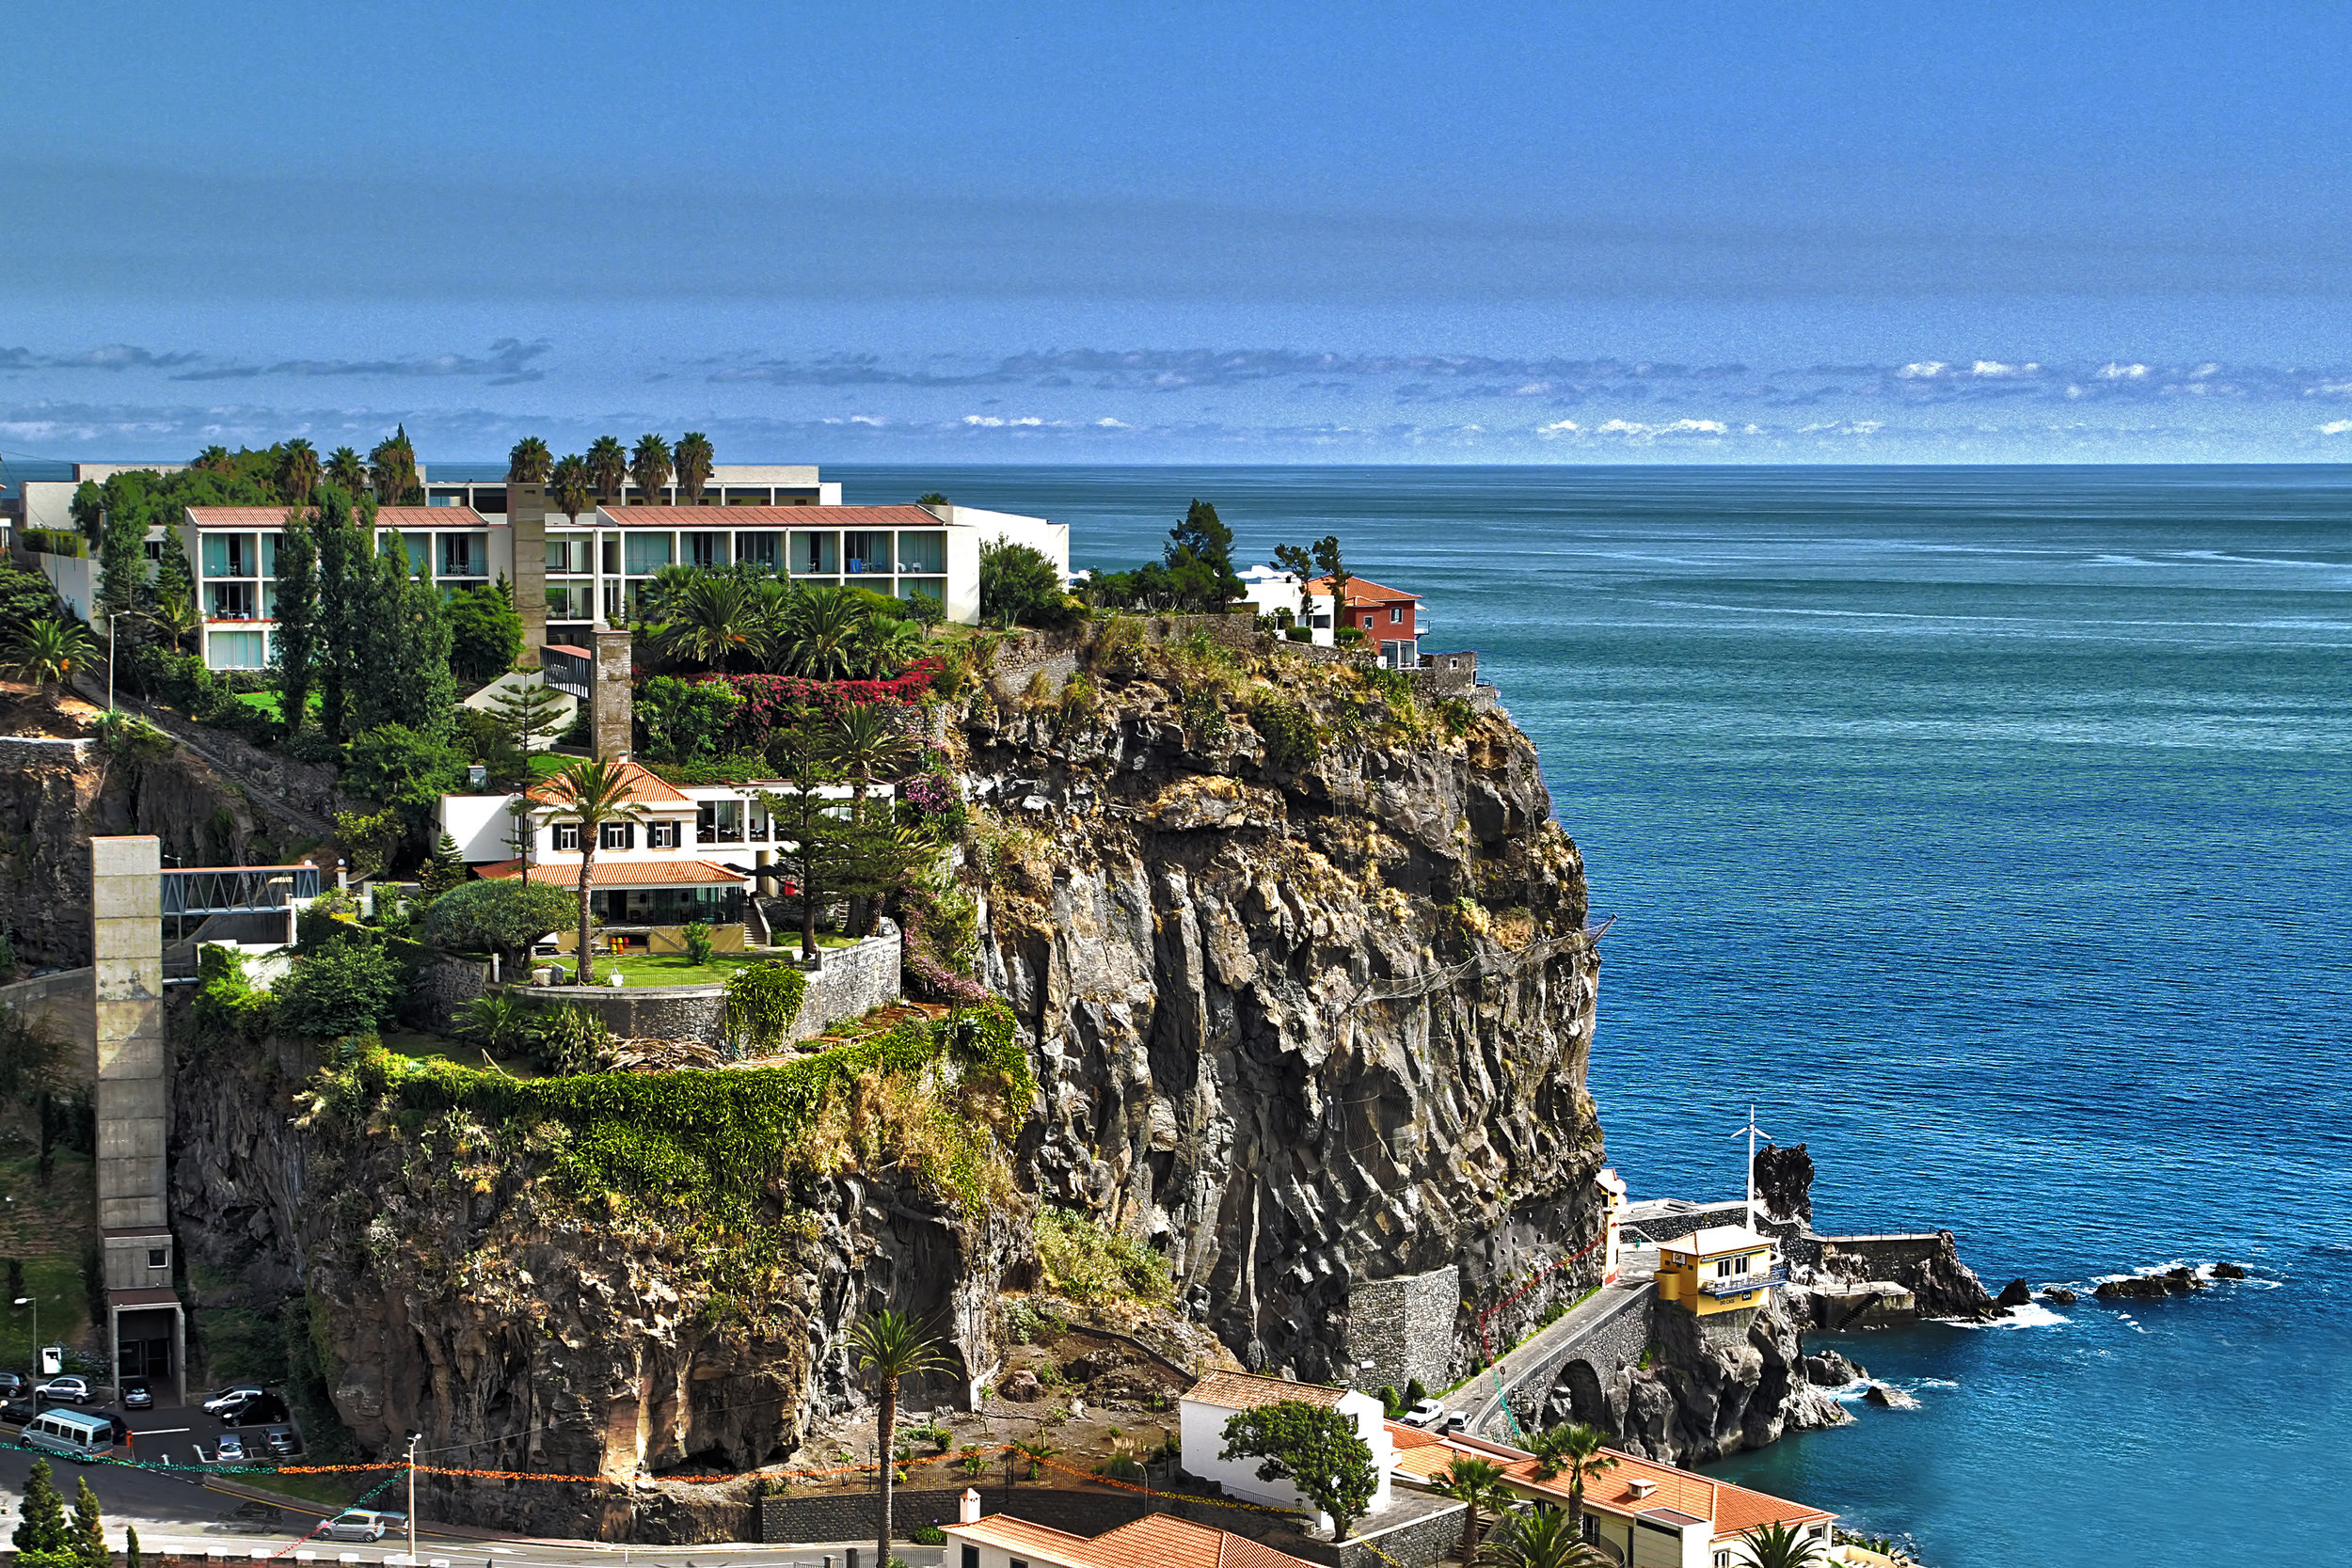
<point x="593" y="566"/>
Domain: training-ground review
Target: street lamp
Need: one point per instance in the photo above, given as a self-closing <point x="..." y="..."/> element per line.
<point x="414" y="1438"/>
<point x="112" y="616"/>
<point x="33" y="1301"/>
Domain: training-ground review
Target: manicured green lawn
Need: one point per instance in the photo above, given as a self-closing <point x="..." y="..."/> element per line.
<point x="672" y="969"/>
<point x="267" y="703"/>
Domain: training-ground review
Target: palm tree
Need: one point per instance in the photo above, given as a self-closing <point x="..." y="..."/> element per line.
<point x="570" y="482"/>
<point x="820" y="633"/>
<point x="215" y="460"/>
<point x="659" y="596"/>
<point x="297" y="471"/>
<point x="1037" y="1452"/>
<point x="592" y="794"/>
<point x="529" y="461"/>
<point x="649" y="466"/>
<point x="862" y="743"/>
<point x="1478" y="1483"/>
<point x="48" y="652"/>
<point x="1578" y="1450"/>
<point x="891" y="1346"/>
<point x="714" y="620"/>
<point x="608" y="466"/>
<point x="1540" y="1537"/>
<point x="1780" y="1546"/>
<point x="694" y="465"/>
<point x="347" y="470"/>
<point x="887" y="645"/>
<point x="176" y="616"/>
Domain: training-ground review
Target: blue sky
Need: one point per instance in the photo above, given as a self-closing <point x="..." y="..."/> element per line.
<point x="1193" y="232"/>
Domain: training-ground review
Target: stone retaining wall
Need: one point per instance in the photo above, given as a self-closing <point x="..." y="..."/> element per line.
<point x="851" y="981"/>
<point x="1572" y="1379"/>
<point x="33" y="751"/>
<point x="1403" y="1328"/>
<point x="69" y="1000"/>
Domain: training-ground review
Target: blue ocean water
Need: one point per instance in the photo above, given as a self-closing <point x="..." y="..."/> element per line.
<point x="1991" y="831"/>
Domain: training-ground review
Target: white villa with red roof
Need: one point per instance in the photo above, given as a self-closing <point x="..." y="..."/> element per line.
<point x="1647" y="1514"/>
<point x="1389" y="619"/>
<point x="694" y="853"/>
<point x="1208" y="1405"/>
<point x="1154" y="1540"/>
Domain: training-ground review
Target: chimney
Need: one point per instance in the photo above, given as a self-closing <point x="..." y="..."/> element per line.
<point x="968" y="1507"/>
<point x="1640" y="1488"/>
<point x="609" y="702"/>
<point x="526" y="528"/>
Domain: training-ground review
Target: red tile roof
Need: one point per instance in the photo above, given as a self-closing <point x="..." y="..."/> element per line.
<point x="645" y="788"/>
<point x="1365" y="591"/>
<point x="1732" y="1510"/>
<point x="386" y="516"/>
<point x="1247" y="1391"/>
<point x="638" y="873"/>
<point x="707" y="517"/>
<point x="1154" y="1540"/>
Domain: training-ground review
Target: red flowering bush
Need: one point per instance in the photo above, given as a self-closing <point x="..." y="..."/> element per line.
<point x="771" y="703"/>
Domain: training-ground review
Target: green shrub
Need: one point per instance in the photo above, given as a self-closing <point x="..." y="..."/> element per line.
<point x="503" y="915"/>
<point x="1351" y="636"/>
<point x="927" y="1535"/>
<point x="695" y="934"/>
<point x="569" y="1040"/>
<point x="763" y="1002"/>
<point x="346" y="988"/>
<point x="1299" y="634"/>
<point x="1082" y="1259"/>
<point x="1291" y="739"/>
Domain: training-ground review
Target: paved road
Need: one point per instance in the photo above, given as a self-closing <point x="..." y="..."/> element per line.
<point x="1482" y="1398"/>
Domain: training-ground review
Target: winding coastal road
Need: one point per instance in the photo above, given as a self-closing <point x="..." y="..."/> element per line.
<point x="1540" y="1356"/>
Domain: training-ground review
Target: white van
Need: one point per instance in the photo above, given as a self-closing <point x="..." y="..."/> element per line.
<point x="85" y="1439"/>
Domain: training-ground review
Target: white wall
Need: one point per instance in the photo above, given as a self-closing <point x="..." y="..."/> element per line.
<point x="480" y="826"/>
<point x="1050" y="540"/>
<point x="1201" y="1432"/>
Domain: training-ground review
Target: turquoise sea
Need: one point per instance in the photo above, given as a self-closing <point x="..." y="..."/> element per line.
<point x="1991" y="831"/>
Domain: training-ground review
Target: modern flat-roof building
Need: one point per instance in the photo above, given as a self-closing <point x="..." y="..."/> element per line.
<point x="730" y="484"/>
<point x="593" y="567"/>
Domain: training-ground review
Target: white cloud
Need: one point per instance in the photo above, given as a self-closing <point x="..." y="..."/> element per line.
<point x="1106" y="423"/>
<point x="2336" y="427"/>
<point x="1566" y="427"/>
<point x="2114" y="371"/>
<point x="1925" y="370"/>
<point x="1680" y="427"/>
<point x="1993" y="369"/>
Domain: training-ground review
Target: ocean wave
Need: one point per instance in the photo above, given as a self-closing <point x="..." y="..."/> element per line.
<point x="2032" y="1315"/>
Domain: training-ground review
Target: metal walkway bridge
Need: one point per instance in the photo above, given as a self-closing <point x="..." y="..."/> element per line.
<point x="194" y="890"/>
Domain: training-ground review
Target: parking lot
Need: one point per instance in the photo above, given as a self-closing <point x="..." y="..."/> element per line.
<point x="257" y="1431"/>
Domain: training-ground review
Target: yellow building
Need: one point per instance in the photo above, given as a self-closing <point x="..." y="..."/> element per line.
<point x="1720" y="1269"/>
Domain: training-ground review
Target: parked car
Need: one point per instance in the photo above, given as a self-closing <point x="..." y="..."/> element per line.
<point x="14" y="1386"/>
<point x="233" y="1399"/>
<point x="1454" y="1421"/>
<point x="136" y="1395"/>
<point x="1423" y="1413"/>
<point x="259" y="1411"/>
<point x="231" y="1449"/>
<point x="280" y="1441"/>
<point x="18" y="1412"/>
<point x="65" y="1390"/>
<point x="354" y="1524"/>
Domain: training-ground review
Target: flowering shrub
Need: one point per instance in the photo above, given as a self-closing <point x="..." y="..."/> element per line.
<point x="770" y="703"/>
<point x="930" y="794"/>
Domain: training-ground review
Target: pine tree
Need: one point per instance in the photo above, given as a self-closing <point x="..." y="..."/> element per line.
<point x="89" y="1530"/>
<point x="131" y="1547"/>
<point x="342" y="533"/>
<point x="43" y="1512"/>
<point x="531" y="714"/>
<point x="446" y="869"/>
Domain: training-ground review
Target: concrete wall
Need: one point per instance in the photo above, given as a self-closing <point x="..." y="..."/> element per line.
<point x="127" y="950"/>
<point x="66" y="999"/>
<point x="1403" y="1328"/>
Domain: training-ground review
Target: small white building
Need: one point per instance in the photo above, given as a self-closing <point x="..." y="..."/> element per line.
<point x="1612" y="1192"/>
<point x="1209" y="1403"/>
<point x="1268" y="590"/>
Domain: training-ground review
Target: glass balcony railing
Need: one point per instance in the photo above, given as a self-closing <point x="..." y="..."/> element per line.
<point x="1740" y="1284"/>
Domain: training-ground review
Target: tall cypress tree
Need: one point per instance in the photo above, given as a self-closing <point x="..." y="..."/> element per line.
<point x="43" y="1512"/>
<point x="89" y="1530"/>
<point x="294" y="655"/>
<point x="345" y="561"/>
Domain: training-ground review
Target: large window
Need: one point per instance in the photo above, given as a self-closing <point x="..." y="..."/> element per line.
<point x="816" y="552"/>
<point x="923" y="551"/>
<point x="464" y="555"/>
<point x="866" y="550"/>
<point x="231" y="601"/>
<point x="228" y="555"/>
<point x="617" y="835"/>
<point x="567" y="836"/>
<point x="719" y="822"/>
<point x="647" y="551"/>
<point x="707" y="550"/>
<point x="663" y="835"/>
<point x="761" y="549"/>
<point x="235" y="650"/>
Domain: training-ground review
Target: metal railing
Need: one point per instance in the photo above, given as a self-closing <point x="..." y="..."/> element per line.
<point x="1740" y="1284"/>
<point x="236" y="889"/>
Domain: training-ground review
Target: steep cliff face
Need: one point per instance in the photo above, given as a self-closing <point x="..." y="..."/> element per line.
<point x="1301" y="973"/>
<point x="1711" y="1391"/>
<point x="53" y="802"/>
<point x="1304" y="1025"/>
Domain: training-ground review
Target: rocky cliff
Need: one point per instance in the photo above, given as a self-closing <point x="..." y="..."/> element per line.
<point x="1306" y="963"/>
<point x="1300" y="974"/>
